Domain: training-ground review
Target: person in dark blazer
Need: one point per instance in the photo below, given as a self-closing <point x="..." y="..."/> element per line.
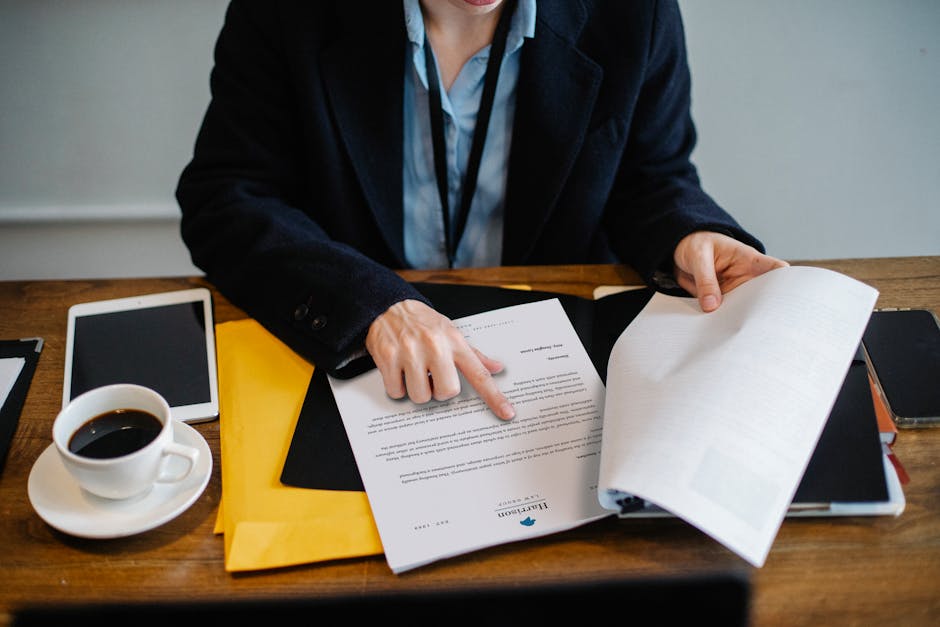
<point x="318" y="169"/>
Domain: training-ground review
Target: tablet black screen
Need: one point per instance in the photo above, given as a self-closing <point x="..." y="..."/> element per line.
<point x="162" y="347"/>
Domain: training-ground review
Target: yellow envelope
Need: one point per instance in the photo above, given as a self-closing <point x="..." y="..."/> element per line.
<point x="265" y="524"/>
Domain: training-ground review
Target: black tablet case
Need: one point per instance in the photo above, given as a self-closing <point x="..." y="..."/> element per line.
<point x="847" y="465"/>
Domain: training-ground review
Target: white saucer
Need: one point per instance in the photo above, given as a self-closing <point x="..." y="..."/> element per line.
<point x="58" y="499"/>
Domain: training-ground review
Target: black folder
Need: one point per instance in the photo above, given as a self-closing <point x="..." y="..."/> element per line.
<point x="320" y="456"/>
<point x="29" y="349"/>
<point x="847" y="465"/>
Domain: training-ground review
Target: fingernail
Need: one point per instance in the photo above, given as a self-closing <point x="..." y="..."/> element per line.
<point x="709" y="303"/>
<point x="506" y="412"/>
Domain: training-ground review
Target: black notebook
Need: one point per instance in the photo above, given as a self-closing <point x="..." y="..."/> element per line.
<point x="847" y="466"/>
<point x="28" y="350"/>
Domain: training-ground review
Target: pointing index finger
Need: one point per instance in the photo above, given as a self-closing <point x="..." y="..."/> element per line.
<point x="481" y="379"/>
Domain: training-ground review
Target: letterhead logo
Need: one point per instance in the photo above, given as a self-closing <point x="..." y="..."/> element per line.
<point x="522" y="509"/>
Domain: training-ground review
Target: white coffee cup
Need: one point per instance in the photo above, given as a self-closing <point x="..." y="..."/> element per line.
<point x="108" y="458"/>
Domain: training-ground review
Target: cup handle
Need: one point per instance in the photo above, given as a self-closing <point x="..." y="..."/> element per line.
<point x="190" y="454"/>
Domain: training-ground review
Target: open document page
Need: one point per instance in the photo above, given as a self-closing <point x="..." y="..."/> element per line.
<point x="446" y="478"/>
<point x="714" y="417"/>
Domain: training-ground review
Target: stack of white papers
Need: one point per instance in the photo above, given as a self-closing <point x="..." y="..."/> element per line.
<point x="712" y="417"/>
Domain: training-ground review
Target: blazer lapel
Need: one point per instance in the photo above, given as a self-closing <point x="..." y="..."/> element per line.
<point x="363" y="72"/>
<point x="556" y="92"/>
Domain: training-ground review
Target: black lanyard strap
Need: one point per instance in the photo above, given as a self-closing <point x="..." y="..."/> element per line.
<point x="439" y="142"/>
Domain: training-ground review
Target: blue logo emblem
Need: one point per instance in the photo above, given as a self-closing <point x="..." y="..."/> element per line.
<point x="528" y="522"/>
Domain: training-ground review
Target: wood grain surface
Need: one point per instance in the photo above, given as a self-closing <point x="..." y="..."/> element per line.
<point x="835" y="571"/>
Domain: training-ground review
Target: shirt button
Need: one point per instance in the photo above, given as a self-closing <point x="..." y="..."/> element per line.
<point x="301" y="312"/>
<point x="318" y="322"/>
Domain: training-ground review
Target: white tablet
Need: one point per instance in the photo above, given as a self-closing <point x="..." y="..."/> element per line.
<point x="164" y="341"/>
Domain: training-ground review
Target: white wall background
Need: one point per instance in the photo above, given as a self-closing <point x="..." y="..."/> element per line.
<point x="100" y="102"/>
<point x="819" y="125"/>
<point x="819" y="121"/>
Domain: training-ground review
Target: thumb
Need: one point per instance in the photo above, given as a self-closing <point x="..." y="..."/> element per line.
<point x="707" y="289"/>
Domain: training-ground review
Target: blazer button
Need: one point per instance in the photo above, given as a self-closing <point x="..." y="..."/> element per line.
<point x="301" y="312"/>
<point x="318" y="322"/>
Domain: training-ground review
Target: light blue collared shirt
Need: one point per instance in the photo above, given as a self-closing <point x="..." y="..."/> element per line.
<point x="482" y="241"/>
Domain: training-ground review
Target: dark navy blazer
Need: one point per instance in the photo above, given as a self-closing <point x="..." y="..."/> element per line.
<point x="292" y="203"/>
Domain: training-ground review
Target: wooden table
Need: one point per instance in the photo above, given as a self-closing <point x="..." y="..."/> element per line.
<point x="866" y="570"/>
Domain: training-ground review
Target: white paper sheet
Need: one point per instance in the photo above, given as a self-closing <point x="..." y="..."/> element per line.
<point x="446" y="478"/>
<point x="714" y="416"/>
<point x="10" y="368"/>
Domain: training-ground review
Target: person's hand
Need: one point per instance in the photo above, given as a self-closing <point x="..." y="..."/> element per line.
<point x="709" y="264"/>
<point x="419" y="352"/>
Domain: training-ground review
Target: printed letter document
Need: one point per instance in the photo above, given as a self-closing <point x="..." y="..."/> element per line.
<point x="711" y="417"/>
<point x="446" y="478"/>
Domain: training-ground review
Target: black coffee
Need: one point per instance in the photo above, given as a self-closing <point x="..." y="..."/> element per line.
<point x="115" y="433"/>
